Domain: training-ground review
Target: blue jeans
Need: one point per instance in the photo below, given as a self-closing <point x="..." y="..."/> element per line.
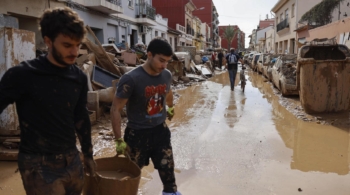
<point x="232" y="73"/>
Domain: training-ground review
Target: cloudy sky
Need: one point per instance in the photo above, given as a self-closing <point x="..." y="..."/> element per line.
<point x="244" y="13"/>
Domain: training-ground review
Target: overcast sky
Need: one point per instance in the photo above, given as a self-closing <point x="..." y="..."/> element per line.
<point x="244" y="13"/>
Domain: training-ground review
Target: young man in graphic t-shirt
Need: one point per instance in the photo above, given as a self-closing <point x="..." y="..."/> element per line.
<point x="146" y="92"/>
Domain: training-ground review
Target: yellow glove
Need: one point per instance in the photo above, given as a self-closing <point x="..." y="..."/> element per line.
<point x="170" y="113"/>
<point x="120" y="146"/>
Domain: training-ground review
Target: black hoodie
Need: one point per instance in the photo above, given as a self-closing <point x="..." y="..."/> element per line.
<point x="51" y="106"/>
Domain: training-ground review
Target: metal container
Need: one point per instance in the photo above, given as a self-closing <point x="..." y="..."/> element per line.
<point x="324" y="78"/>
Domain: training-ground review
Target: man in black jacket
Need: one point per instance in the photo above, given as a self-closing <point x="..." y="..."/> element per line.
<point x="51" y="95"/>
<point x="220" y="57"/>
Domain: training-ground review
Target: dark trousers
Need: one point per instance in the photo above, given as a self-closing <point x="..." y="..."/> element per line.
<point x="232" y="74"/>
<point x="153" y="143"/>
<point x="220" y="63"/>
<point x="60" y="174"/>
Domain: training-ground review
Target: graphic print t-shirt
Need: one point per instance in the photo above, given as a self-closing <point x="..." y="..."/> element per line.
<point x="146" y="94"/>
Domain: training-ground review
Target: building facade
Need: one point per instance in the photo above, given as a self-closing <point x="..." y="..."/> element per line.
<point x="208" y="14"/>
<point x="287" y="15"/>
<point x="260" y="40"/>
<point x="173" y="38"/>
<point x="27" y="13"/>
<point x="206" y="32"/>
<point x="270" y="40"/>
<point x="180" y="17"/>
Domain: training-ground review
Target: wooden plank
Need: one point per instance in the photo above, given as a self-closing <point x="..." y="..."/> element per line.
<point x="101" y="56"/>
<point x="8" y="154"/>
<point x="9" y="132"/>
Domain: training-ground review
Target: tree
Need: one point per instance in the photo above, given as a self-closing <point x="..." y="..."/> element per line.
<point x="321" y="14"/>
<point x="229" y="34"/>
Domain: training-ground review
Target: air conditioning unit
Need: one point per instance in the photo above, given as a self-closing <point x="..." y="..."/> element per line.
<point x="143" y="29"/>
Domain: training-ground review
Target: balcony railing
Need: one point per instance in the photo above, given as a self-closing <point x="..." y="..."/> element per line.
<point x="282" y="25"/>
<point x="105" y="6"/>
<point x="145" y="10"/>
<point x="180" y="28"/>
<point x="115" y="2"/>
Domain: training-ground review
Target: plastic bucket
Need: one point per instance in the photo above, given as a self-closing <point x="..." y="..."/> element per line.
<point x="114" y="176"/>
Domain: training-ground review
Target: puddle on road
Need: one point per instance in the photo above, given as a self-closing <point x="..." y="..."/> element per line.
<point x="252" y="143"/>
<point x="316" y="147"/>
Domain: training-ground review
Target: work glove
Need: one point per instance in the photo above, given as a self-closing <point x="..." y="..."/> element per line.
<point x="120" y="146"/>
<point x="170" y="113"/>
<point x="89" y="166"/>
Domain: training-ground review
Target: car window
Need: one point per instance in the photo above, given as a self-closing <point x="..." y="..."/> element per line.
<point x="256" y="57"/>
<point x="279" y="63"/>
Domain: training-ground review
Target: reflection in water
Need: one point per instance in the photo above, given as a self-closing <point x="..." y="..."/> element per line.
<point x="315" y="147"/>
<point x="321" y="148"/>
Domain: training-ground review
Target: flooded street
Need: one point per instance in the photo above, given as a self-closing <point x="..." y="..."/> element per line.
<point x="233" y="143"/>
<point x="239" y="143"/>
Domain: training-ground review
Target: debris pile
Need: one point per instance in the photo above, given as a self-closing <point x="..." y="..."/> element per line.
<point x="104" y="64"/>
<point x="289" y="69"/>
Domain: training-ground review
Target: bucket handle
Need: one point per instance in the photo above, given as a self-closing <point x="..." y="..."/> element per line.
<point x="126" y="156"/>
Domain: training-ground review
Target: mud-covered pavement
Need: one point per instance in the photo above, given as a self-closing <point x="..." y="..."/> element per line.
<point x="226" y="142"/>
<point x="254" y="143"/>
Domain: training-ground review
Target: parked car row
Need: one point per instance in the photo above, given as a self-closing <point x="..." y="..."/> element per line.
<point x="319" y="74"/>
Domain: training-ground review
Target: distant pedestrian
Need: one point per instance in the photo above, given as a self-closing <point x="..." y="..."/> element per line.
<point x="220" y="57"/>
<point x="50" y="93"/>
<point x="213" y="57"/>
<point x="232" y="66"/>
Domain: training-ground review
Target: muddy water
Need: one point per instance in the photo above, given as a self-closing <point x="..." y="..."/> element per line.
<point x="239" y="143"/>
<point x="233" y="143"/>
<point x="115" y="175"/>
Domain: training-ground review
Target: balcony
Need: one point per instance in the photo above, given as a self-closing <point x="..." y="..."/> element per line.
<point x="105" y="6"/>
<point x="146" y="14"/>
<point x="189" y="30"/>
<point x="283" y="25"/>
<point x="181" y="28"/>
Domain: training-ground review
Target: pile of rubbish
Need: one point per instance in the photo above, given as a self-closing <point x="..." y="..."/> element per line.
<point x="289" y="68"/>
<point x="104" y="64"/>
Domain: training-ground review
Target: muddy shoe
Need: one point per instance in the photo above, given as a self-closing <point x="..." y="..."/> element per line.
<point x="172" y="193"/>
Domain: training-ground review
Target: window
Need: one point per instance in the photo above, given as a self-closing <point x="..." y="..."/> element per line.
<point x="171" y="41"/>
<point x="175" y="41"/>
<point x="293" y="10"/>
<point x="156" y="33"/>
<point x="163" y="35"/>
<point x="281" y="18"/>
<point x="287" y="14"/>
<point x="277" y="20"/>
<point x="130" y="3"/>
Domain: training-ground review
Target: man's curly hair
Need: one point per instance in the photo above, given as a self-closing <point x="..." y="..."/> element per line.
<point x="62" y="21"/>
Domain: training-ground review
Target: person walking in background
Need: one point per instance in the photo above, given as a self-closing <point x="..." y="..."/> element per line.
<point x="50" y="93"/>
<point x="146" y="92"/>
<point x="213" y="57"/>
<point x="220" y="57"/>
<point x="232" y="66"/>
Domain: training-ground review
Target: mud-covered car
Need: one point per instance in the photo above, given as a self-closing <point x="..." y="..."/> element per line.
<point x="284" y="74"/>
<point x="254" y="62"/>
<point x="269" y="61"/>
<point x="259" y="64"/>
